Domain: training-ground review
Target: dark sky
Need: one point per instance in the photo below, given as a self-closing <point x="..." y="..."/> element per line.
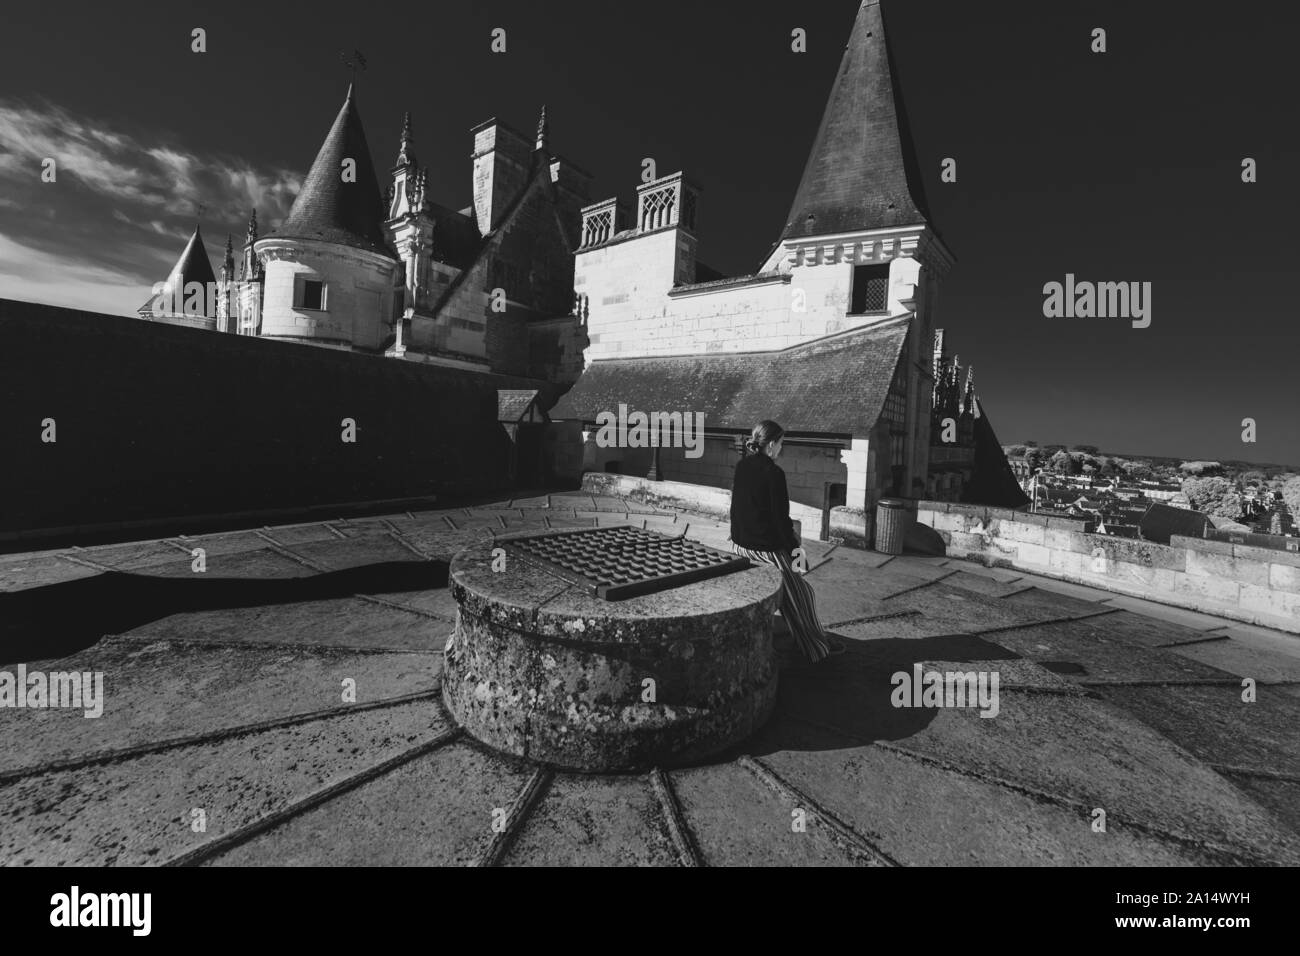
<point x="1123" y="166"/>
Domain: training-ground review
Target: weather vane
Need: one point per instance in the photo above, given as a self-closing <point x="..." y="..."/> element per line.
<point x="354" y="62"/>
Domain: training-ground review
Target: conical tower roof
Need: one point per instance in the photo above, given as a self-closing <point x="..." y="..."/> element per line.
<point x="862" y="173"/>
<point x="193" y="266"/>
<point x="330" y="209"/>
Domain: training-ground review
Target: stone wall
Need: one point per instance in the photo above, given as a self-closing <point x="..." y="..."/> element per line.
<point x="680" y="496"/>
<point x="1257" y="585"/>
<point x="154" y="421"/>
<point x="808" y="468"/>
<point x="635" y="311"/>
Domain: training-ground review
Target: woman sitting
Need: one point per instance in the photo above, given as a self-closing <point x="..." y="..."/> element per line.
<point x="762" y="531"/>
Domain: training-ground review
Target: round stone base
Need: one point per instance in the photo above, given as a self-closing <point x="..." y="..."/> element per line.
<point x="539" y="669"/>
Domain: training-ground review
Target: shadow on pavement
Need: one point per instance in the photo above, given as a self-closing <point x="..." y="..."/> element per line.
<point x="56" y="620"/>
<point x="852" y="693"/>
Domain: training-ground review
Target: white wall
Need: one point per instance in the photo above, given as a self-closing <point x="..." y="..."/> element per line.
<point x="359" y="292"/>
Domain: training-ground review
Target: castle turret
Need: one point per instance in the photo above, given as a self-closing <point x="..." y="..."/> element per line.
<point x="189" y="294"/>
<point x="331" y="276"/>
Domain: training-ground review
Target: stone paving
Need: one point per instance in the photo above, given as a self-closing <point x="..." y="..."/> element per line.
<point x="224" y="694"/>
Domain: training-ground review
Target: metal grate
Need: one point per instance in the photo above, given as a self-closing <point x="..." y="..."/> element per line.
<point x="616" y="563"/>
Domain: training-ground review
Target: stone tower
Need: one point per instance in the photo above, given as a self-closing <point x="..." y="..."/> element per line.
<point x="859" y="221"/>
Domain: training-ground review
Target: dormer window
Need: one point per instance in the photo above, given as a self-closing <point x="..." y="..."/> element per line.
<point x="870" y="289"/>
<point x="309" y="294"/>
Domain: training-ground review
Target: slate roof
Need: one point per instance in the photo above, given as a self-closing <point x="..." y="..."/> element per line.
<point x="512" y="403"/>
<point x="862" y="172"/>
<point x="456" y="239"/>
<point x="331" y="210"/>
<point x="192" y="266"/>
<point x="834" y="385"/>
<point x="1161" y="522"/>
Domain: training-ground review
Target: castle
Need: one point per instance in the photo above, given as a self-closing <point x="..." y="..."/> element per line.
<point x="487" y="288"/>
<point x="828" y="336"/>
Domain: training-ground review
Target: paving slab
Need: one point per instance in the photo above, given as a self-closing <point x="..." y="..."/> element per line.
<point x="436" y="810"/>
<point x="737" y="821"/>
<point x="1051" y="605"/>
<point x="1217" y="726"/>
<point x="920" y="814"/>
<point x="355" y="552"/>
<point x="595" y="821"/>
<point x="291" y="535"/>
<point x="242" y="565"/>
<point x="226" y="542"/>
<point x="1163" y="612"/>
<point x="337" y="622"/>
<point x="138" y="811"/>
<point x="1138" y="629"/>
<point x="1282" y="797"/>
<point x="24" y="572"/>
<point x="1093" y="753"/>
<point x="1244" y="660"/>
<point x="126" y="557"/>
<point x="961" y="610"/>
<point x="1095" y="653"/>
<point x="980" y="584"/>
<point x="169" y="690"/>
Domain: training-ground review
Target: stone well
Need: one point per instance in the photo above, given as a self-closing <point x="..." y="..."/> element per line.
<point x="543" y="668"/>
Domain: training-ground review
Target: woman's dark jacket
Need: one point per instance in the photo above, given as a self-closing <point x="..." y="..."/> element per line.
<point x="760" y="506"/>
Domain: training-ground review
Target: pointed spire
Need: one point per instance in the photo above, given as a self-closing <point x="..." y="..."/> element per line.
<point x="228" y="263"/>
<point x="861" y="173"/>
<point x="251" y="235"/>
<point x="543" y="132"/>
<point x="193" y="266"/>
<point x="330" y="209"/>
<point x="406" y="156"/>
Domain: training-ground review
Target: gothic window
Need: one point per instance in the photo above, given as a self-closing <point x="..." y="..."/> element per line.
<point x="870" y="289"/>
<point x="309" y="294"/>
<point x="598" y="228"/>
<point x="657" y="208"/>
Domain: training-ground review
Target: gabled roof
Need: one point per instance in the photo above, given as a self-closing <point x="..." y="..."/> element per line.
<point x="834" y="385"/>
<point x="331" y="210"/>
<point x="861" y="173"/>
<point x="193" y="266"/>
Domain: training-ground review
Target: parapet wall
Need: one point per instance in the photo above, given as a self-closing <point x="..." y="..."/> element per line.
<point x="155" y="422"/>
<point x="1256" y="585"/>
<point x="682" y="496"/>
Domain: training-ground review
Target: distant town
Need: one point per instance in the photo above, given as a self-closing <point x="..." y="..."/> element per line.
<point x="1152" y="498"/>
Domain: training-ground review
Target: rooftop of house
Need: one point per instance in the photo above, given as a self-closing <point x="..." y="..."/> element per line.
<point x="854" y="370"/>
<point x="222" y="691"/>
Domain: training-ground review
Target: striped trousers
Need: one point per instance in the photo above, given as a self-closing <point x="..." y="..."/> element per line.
<point x="798" y="602"/>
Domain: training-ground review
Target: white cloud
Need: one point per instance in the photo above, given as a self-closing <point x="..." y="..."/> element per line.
<point x="168" y="180"/>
